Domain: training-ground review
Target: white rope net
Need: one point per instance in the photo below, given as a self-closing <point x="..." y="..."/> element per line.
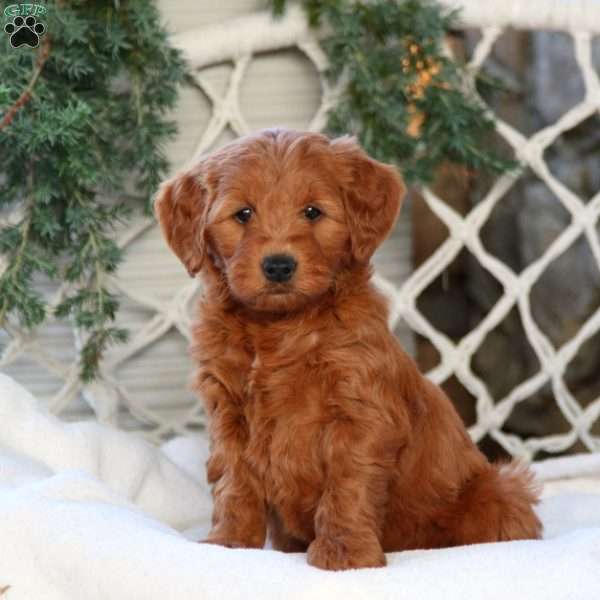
<point x="239" y="41"/>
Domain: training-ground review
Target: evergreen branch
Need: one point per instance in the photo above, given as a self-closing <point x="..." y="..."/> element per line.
<point x="402" y="97"/>
<point x="13" y="268"/>
<point x="13" y="275"/>
<point x="42" y="57"/>
<point x="94" y="127"/>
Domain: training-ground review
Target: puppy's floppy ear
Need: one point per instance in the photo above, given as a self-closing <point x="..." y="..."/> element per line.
<point x="181" y="206"/>
<point x="372" y="193"/>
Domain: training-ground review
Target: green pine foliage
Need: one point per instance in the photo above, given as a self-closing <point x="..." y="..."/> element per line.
<point x="79" y="154"/>
<point x="82" y="126"/>
<point x="368" y="42"/>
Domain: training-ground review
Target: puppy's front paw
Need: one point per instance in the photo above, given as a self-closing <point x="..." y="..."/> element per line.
<point x="223" y="541"/>
<point x="231" y="540"/>
<point x="335" y="555"/>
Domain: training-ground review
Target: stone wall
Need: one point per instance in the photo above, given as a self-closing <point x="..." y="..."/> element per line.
<point x="540" y="82"/>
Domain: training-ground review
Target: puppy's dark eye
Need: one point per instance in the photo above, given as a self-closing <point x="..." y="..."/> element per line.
<point x="312" y="213"/>
<point x="243" y="216"/>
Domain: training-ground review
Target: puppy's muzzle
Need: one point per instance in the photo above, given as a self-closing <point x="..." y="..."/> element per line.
<point x="279" y="268"/>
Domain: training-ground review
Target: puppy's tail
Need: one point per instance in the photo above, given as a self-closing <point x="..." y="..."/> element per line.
<point x="519" y="492"/>
<point x="498" y="505"/>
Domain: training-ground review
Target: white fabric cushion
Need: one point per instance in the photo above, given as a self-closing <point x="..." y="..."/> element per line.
<point x="87" y="512"/>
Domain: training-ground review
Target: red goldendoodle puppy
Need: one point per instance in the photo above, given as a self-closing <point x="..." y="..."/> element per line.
<point x="323" y="430"/>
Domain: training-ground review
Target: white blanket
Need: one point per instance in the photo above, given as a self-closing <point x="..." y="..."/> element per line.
<point x="87" y="512"/>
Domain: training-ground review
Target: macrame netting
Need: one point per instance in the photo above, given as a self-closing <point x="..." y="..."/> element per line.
<point x="239" y="41"/>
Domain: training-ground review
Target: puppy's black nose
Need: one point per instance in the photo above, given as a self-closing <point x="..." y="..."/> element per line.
<point x="279" y="267"/>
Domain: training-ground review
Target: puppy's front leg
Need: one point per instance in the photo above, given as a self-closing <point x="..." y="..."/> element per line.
<point x="351" y="510"/>
<point x="239" y="515"/>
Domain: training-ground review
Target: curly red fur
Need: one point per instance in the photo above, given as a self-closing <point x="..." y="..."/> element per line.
<point x="323" y="430"/>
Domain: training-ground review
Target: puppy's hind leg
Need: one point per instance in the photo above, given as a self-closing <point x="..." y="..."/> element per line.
<point x="497" y="505"/>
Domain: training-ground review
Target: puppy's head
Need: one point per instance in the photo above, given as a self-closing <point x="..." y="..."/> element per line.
<point x="279" y="214"/>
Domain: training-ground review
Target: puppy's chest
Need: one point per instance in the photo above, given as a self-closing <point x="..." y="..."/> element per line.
<point x="280" y="367"/>
<point x="285" y="405"/>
